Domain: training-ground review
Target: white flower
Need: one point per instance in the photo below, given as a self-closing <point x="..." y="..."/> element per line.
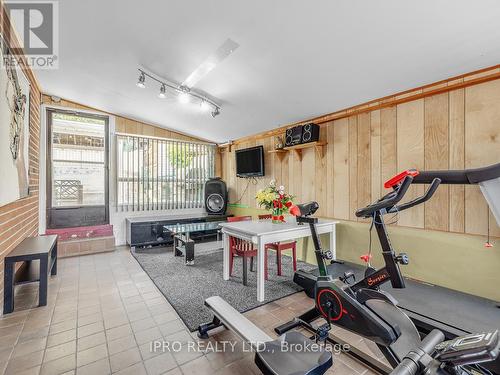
<point x="272" y="183"/>
<point x="281" y="189"/>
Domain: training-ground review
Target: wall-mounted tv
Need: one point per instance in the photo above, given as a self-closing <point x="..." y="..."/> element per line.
<point x="250" y="162"/>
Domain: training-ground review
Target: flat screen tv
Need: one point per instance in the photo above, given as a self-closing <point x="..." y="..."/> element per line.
<point x="250" y="162"/>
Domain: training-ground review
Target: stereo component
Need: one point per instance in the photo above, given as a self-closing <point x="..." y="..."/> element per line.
<point x="293" y="136"/>
<point x="310" y="133"/>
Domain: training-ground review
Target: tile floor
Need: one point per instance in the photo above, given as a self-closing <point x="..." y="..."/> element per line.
<point x="104" y="311"/>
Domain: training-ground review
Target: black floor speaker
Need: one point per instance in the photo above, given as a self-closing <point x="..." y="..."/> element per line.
<point x="215" y="196"/>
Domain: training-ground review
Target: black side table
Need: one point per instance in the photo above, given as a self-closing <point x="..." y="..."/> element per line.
<point x="32" y="250"/>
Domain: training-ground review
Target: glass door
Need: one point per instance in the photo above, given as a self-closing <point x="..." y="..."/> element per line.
<point x="77" y="170"/>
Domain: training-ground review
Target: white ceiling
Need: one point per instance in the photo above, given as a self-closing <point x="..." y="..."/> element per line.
<point x="296" y="59"/>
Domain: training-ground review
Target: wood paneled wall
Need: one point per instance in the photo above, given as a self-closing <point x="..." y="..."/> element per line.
<point x="19" y="219"/>
<point x="449" y="130"/>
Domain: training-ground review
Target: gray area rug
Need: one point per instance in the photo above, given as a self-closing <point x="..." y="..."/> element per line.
<point x="187" y="287"/>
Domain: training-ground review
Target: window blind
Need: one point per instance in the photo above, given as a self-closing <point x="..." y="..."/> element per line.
<point x="161" y="174"/>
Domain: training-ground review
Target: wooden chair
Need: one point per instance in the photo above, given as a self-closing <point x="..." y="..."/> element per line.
<point x="279" y="247"/>
<point x="243" y="249"/>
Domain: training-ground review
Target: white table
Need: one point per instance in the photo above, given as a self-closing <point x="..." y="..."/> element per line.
<point x="264" y="232"/>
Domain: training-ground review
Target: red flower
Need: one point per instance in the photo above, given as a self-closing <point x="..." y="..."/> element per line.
<point x="281" y="218"/>
<point x="280" y="205"/>
<point x="288" y="204"/>
<point x="275" y="203"/>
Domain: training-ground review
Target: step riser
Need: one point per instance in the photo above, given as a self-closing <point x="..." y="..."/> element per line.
<point x="85" y="246"/>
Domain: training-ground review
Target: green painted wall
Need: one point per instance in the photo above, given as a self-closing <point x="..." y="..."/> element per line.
<point x="455" y="261"/>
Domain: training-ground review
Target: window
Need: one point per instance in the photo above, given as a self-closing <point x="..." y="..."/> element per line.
<point x="161" y="174"/>
<point x="77" y="160"/>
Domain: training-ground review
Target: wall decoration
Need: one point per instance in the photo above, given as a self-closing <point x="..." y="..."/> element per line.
<point x="279" y="144"/>
<point x="14" y="129"/>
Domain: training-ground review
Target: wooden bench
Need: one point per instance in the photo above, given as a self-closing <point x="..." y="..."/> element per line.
<point x="39" y="255"/>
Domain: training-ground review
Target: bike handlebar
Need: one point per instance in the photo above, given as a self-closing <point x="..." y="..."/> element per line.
<point x="424" y="198"/>
<point x="389" y="201"/>
<point x="411" y="363"/>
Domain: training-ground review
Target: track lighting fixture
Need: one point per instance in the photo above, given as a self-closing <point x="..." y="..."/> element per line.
<point x="162" y="94"/>
<point x="215" y="112"/>
<point x="184" y="93"/>
<point x="142" y="81"/>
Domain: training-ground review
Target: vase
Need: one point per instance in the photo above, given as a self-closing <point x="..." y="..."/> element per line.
<point x="277" y="216"/>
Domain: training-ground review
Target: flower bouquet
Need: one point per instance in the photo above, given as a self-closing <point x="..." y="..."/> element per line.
<point x="274" y="199"/>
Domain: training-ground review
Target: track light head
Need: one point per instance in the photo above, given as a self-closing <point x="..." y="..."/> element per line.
<point x="215" y="112"/>
<point x="142" y="81"/>
<point x="163" y="90"/>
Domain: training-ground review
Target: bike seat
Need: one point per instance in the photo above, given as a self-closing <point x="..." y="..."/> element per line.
<point x="292" y="354"/>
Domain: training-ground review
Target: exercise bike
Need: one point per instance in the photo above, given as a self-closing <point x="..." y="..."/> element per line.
<point x="362" y="308"/>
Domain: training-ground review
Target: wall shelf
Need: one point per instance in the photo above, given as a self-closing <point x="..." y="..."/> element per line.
<point x="297" y="149"/>
<point x="280" y="153"/>
<point x="319" y="146"/>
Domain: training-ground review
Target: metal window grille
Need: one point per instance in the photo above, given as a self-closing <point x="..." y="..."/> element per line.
<point x="68" y="191"/>
<point x="161" y="174"/>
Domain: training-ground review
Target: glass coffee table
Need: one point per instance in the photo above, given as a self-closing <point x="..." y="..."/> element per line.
<point x="183" y="243"/>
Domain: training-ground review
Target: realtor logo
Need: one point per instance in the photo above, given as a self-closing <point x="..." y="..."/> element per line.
<point x="36" y="25"/>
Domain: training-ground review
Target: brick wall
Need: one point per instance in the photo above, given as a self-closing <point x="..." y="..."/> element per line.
<point x="19" y="219"/>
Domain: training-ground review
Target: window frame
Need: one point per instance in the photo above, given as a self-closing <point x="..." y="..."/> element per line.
<point x="89" y="213"/>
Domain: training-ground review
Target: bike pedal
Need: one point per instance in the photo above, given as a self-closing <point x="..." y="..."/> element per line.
<point x="348" y="277"/>
<point x="322" y="333"/>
